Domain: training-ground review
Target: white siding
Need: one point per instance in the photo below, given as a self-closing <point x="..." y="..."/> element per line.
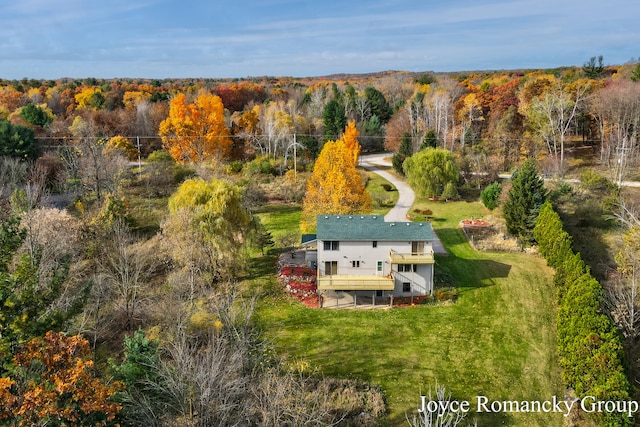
<point x="367" y="256"/>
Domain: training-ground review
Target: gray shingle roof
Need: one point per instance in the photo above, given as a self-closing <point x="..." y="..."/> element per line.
<point x="370" y="227"/>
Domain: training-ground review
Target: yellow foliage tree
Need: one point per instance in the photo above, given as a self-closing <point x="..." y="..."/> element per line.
<point x="336" y="186"/>
<point x="90" y="98"/>
<point x="132" y="98"/>
<point x="207" y="227"/>
<point x="350" y="138"/>
<point x="120" y="144"/>
<point x="195" y="132"/>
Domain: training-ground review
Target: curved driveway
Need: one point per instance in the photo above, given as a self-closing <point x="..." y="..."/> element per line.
<point x="406" y="196"/>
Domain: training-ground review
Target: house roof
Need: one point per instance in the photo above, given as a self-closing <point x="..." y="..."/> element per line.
<point x="308" y="238"/>
<point x="370" y="227"/>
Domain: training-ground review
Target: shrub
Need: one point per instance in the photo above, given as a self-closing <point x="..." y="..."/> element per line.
<point x="260" y="165"/>
<point x="446" y="294"/>
<point x="50" y="169"/>
<point x="490" y="196"/>
<point x="592" y="181"/>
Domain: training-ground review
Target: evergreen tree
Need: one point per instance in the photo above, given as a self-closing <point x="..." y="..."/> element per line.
<point x="378" y="103"/>
<point x="17" y="141"/>
<point x="335" y="120"/>
<point x="635" y="74"/>
<point x="404" y="151"/>
<point x="526" y="196"/>
<point x="593" y="69"/>
<point x="430" y="140"/>
<point x="35" y="115"/>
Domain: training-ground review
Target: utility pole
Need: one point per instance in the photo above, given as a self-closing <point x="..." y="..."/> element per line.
<point x="139" y="160"/>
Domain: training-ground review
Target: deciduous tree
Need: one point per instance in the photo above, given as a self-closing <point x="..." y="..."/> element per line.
<point x="90" y="98"/>
<point x="624" y="297"/>
<point x="350" y="138"/>
<point x="432" y="173"/>
<point x="196" y="131"/>
<point x="31" y="293"/>
<point x="551" y="115"/>
<point x="617" y="110"/>
<point x="335" y="187"/>
<point x="53" y="383"/>
<point x="127" y="265"/>
<point x="121" y="145"/>
<point x="207" y="227"/>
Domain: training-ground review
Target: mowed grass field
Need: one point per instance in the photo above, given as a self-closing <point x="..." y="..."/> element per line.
<point x="497" y="340"/>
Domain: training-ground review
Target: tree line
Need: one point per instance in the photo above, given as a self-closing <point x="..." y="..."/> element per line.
<point x="591" y="350"/>
<point x="494" y="120"/>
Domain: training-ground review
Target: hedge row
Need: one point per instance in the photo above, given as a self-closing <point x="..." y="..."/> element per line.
<point x="589" y="345"/>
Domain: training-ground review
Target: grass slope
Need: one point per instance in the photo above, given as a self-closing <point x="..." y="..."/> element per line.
<point x="497" y="340"/>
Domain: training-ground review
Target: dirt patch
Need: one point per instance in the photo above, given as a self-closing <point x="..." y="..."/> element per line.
<point x="472" y="223"/>
<point x="490" y="238"/>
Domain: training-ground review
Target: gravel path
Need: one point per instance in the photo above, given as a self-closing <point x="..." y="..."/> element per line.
<point x="406" y="196"/>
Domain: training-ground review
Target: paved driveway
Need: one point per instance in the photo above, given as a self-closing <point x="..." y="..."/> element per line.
<point x="406" y="196"/>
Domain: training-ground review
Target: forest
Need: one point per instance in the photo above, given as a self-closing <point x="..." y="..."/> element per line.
<point x="141" y="221"/>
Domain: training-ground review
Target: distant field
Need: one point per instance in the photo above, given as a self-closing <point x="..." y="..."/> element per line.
<point x="497" y="340"/>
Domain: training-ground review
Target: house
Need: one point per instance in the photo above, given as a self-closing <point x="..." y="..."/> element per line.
<point x="366" y="256"/>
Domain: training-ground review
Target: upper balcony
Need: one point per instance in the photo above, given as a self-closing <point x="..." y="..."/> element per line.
<point x="423" y="257"/>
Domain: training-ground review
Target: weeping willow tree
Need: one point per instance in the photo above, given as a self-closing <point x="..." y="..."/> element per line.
<point x="432" y="173"/>
<point x="207" y="228"/>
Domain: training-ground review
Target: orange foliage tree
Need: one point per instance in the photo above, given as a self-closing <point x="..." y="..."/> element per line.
<point x="335" y="186"/>
<point x="350" y="138"/>
<point x="53" y="384"/>
<point x="196" y="132"/>
<point x="237" y="95"/>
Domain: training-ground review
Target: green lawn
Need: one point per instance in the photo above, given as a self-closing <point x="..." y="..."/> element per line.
<point x="497" y="340"/>
<point x="280" y="219"/>
<point x="381" y="199"/>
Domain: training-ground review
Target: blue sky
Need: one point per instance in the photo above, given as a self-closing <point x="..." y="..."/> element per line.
<point x="47" y="39"/>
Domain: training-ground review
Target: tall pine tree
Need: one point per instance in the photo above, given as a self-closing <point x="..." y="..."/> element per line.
<point x="526" y="196"/>
<point x="335" y="120"/>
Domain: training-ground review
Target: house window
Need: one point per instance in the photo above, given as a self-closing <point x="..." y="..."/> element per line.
<point x="407" y="268"/>
<point x="375" y="243"/>
<point x="378" y="293"/>
<point x="355" y="264"/>
<point x="330" y="268"/>
<point x="417" y="247"/>
<point x="331" y="245"/>
<point x="406" y="287"/>
<point x="379" y="267"/>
